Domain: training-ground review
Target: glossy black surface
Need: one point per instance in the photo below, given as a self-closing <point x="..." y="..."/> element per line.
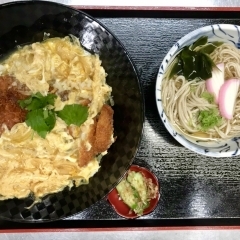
<point x="29" y="22"/>
<point x="195" y="190"/>
<point x="192" y="186"/>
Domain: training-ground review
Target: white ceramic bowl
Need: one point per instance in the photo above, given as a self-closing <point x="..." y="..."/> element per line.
<point x="220" y="32"/>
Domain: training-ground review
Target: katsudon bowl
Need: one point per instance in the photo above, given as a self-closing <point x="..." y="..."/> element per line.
<point x="30" y="22"/>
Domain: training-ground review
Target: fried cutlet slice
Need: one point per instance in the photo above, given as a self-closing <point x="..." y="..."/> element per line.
<point x="99" y="136"/>
<point x="10" y="111"/>
<point x="104" y="130"/>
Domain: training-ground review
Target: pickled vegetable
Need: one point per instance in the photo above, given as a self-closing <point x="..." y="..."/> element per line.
<point x="130" y="196"/>
<point x="137" y="191"/>
<point x="138" y="181"/>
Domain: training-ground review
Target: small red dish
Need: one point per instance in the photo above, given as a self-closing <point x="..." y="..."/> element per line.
<point x="121" y="208"/>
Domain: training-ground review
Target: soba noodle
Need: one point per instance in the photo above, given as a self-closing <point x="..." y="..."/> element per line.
<point x="182" y="99"/>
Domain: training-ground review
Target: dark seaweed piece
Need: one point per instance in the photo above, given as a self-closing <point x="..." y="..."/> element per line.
<point x="199" y="42"/>
<point x="206" y="65"/>
<point x="210" y="47"/>
<point x="190" y="63"/>
<point x="193" y="61"/>
<point x="176" y="68"/>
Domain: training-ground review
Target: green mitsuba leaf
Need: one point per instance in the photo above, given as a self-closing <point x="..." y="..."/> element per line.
<point x="37" y="101"/>
<point x="73" y="114"/>
<point x="41" y="116"/>
<point x="41" y="120"/>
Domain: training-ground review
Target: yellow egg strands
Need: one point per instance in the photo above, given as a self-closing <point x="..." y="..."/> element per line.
<point x="30" y="164"/>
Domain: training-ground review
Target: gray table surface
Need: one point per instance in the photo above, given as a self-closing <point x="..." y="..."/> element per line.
<point x="126" y="235"/>
<point x="136" y="234"/>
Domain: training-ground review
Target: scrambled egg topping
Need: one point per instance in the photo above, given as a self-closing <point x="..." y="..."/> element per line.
<point x="29" y="163"/>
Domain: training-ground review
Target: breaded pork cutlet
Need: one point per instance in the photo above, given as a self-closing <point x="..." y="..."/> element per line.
<point x="10" y="111"/>
<point x="99" y="136"/>
<point x="104" y="130"/>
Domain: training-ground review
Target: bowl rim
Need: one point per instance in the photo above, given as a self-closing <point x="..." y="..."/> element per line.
<point x="173" y="51"/>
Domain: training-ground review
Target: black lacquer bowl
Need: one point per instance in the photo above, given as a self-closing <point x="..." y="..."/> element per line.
<point x="26" y="22"/>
